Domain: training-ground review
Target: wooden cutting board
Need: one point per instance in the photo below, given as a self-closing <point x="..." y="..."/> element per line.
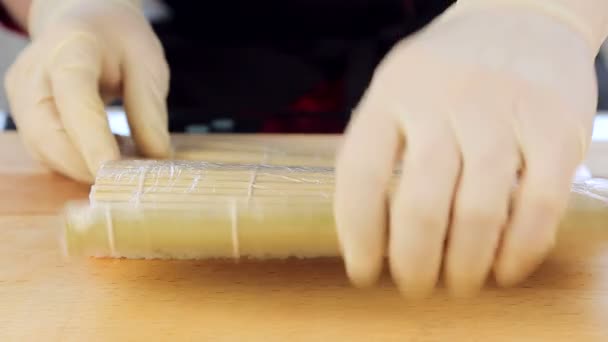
<point x="43" y="297"/>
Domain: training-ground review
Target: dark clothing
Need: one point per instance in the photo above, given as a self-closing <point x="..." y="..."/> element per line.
<point x="298" y="66"/>
<point x="7" y="21"/>
<point x="277" y="65"/>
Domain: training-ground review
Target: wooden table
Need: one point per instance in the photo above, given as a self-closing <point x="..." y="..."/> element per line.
<point x="43" y="297"/>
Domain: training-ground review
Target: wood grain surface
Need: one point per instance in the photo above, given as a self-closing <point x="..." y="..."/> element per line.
<point x="46" y="298"/>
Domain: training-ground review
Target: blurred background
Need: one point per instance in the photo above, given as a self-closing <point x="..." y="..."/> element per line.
<point x="208" y="99"/>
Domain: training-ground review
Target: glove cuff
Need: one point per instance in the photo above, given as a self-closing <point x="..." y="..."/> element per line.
<point x="587" y="17"/>
<point x="45" y="12"/>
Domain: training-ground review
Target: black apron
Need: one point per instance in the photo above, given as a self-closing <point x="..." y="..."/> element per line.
<point x="252" y="60"/>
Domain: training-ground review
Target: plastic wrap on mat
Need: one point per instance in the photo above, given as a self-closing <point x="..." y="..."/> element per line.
<point x="194" y="209"/>
<point x="198" y="210"/>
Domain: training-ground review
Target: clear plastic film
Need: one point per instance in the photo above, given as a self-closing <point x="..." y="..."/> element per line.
<point x="200" y="210"/>
<point x="194" y="209"/>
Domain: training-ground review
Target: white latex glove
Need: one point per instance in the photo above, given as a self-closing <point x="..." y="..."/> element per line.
<point x="475" y="99"/>
<point x="83" y="54"/>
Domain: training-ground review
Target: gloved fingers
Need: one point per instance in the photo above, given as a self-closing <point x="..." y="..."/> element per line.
<point x="74" y="71"/>
<point x="364" y="170"/>
<point x="56" y="149"/>
<point x="39" y="125"/>
<point x="146" y="86"/>
<point x="20" y="89"/>
<point x="480" y="211"/>
<point x="19" y="73"/>
<point x="539" y="203"/>
<point x="420" y="208"/>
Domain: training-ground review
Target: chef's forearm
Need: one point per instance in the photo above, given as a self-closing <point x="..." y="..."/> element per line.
<point x="589" y="17"/>
<point x="592" y="12"/>
<point x="18" y="9"/>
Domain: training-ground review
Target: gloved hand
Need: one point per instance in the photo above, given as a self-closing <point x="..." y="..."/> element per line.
<point x="483" y="97"/>
<point x="84" y="54"/>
